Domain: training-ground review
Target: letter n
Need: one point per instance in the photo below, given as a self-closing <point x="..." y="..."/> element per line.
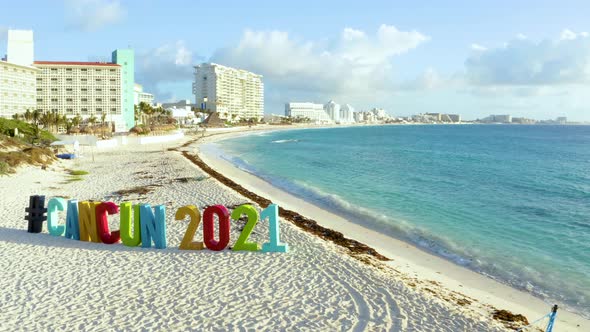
<point x="153" y="226"/>
<point x="87" y="215"/>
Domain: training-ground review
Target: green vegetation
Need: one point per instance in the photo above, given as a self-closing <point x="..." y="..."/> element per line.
<point x="151" y="118"/>
<point x="78" y="172"/>
<point x="4" y="168"/>
<point x="30" y="133"/>
<point x="73" y="179"/>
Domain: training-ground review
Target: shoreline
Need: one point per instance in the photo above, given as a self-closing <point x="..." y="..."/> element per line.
<point x="405" y="256"/>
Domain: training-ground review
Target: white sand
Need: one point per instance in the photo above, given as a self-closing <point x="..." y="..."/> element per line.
<point x="53" y="283"/>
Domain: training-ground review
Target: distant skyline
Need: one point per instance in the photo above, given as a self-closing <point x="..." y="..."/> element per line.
<point x="525" y="58"/>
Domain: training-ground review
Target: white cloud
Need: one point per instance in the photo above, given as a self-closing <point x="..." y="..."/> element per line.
<point x="91" y="15"/>
<point x="356" y="63"/>
<point x="352" y="34"/>
<point x="521" y="36"/>
<point x="567" y="34"/>
<point x="168" y="64"/>
<point x="478" y="48"/>
<point x="525" y="62"/>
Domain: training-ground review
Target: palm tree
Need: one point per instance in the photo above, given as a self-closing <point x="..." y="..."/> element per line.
<point x="45" y="120"/>
<point x="136" y="113"/>
<point x="92" y="120"/>
<point x="76" y="120"/>
<point x="69" y="123"/>
<point x="16" y="116"/>
<point x="28" y="116"/>
<point x="102" y="118"/>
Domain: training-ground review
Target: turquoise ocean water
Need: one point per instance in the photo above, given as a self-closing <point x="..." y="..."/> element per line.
<point x="512" y="202"/>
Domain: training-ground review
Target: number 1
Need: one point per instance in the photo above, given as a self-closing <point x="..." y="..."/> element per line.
<point x="274" y="245"/>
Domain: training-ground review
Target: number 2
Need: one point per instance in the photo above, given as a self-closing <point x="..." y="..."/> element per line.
<point x="252" y="215"/>
<point x="195" y="216"/>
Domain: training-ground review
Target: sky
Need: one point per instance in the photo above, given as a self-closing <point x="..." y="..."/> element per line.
<point x="474" y="58"/>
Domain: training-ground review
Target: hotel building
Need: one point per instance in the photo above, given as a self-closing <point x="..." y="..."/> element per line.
<point x="17" y="89"/>
<point x="140" y="96"/>
<point x="314" y="112"/>
<point x="234" y="93"/>
<point x="81" y="88"/>
<point x="17" y="76"/>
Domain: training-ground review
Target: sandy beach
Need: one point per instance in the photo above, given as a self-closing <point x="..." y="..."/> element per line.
<point x="54" y="283"/>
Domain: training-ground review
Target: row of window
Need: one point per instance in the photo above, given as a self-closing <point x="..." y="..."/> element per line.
<point x="112" y="80"/>
<point x="72" y="90"/>
<point x="70" y="100"/>
<point x="16" y="70"/>
<point x="83" y="70"/>
<point x="84" y="110"/>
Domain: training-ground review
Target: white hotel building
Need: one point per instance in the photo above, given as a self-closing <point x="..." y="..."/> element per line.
<point x="234" y="93"/>
<point x="17" y="76"/>
<point x="81" y="88"/>
<point x="17" y="89"/>
<point x="314" y="112"/>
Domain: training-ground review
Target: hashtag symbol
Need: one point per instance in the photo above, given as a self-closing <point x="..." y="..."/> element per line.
<point x="36" y="213"/>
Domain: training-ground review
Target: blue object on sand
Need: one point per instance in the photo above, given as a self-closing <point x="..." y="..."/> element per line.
<point x="66" y="156"/>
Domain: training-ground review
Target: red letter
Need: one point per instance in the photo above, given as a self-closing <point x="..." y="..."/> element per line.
<point x="102" y="222"/>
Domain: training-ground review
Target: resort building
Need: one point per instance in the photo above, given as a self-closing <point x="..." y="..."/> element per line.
<point x="314" y="112"/>
<point x="498" y="119"/>
<point x="17" y="76"/>
<point x="140" y="96"/>
<point x="234" y="93"/>
<point x="88" y="89"/>
<point x="20" y="47"/>
<point x="17" y="89"/>
<point x="333" y="110"/>
<point x="379" y="113"/>
<point x="126" y="59"/>
<point x="347" y="114"/>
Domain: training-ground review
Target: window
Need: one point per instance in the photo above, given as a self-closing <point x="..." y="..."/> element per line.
<point x="98" y="90"/>
<point x="84" y="90"/>
<point x="69" y="70"/>
<point x="84" y="80"/>
<point x="99" y="99"/>
<point x="113" y="110"/>
<point x="113" y="90"/>
<point x="113" y="80"/>
<point x="84" y="110"/>
<point x="99" y="80"/>
<point x="54" y="100"/>
<point x="53" y="89"/>
<point x="54" y="70"/>
<point x="68" y="80"/>
<point x="54" y="80"/>
<point x="39" y="100"/>
<point x="113" y="99"/>
<point x="99" y="110"/>
<point x="84" y="70"/>
<point x="69" y="89"/>
<point x="39" y="79"/>
<point x="69" y="99"/>
<point x="69" y="110"/>
<point x="84" y="100"/>
<point x="39" y="89"/>
<point x="98" y="70"/>
<point x="112" y="70"/>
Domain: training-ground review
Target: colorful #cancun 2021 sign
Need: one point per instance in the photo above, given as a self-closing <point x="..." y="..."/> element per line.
<point x="88" y="221"/>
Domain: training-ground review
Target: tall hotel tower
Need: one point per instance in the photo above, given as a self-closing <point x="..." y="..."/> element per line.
<point x="234" y="93"/>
